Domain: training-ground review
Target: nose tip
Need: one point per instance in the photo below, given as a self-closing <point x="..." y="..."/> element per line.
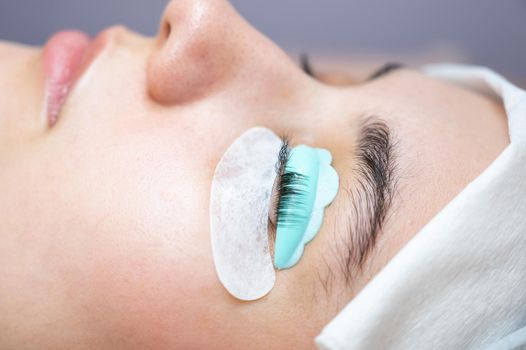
<point x="194" y="51"/>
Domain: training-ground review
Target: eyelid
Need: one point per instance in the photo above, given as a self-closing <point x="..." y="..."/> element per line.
<point x="306" y="65"/>
<point x="283" y="156"/>
<point x="281" y="161"/>
<point x="385" y="69"/>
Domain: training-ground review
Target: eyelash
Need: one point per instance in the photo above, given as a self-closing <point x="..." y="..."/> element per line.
<point x="306" y="65"/>
<point x="387" y="68"/>
<point x="290" y="190"/>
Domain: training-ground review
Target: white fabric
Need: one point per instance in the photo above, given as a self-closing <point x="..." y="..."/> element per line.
<point x="516" y="340"/>
<point x="239" y="205"/>
<point x="460" y="283"/>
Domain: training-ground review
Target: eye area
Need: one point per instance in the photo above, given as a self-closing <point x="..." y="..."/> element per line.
<point x="385" y="69"/>
<point x="288" y="192"/>
<point x="306" y="66"/>
<point x="283" y="156"/>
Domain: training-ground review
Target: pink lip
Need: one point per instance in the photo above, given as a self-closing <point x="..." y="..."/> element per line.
<point x="67" y="55"/>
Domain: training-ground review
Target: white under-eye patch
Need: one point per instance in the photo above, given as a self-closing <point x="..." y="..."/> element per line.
<point x="239" y="206"/>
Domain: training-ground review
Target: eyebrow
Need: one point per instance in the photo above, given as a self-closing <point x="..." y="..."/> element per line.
<point x="373" y="183"/>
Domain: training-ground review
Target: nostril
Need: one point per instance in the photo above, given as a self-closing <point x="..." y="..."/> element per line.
<point x="166" y="30"/>
<point x="194" y="54"/>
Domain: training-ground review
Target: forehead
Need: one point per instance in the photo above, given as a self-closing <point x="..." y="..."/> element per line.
<point x="445" y="137"/>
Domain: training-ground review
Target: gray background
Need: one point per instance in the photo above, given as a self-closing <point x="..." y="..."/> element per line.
<point x="489" y="32"/>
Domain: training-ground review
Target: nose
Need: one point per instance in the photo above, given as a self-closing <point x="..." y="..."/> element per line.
<point x="197" y="49"/>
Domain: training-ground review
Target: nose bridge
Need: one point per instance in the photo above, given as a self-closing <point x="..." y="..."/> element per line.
<point x="197" y="48"/>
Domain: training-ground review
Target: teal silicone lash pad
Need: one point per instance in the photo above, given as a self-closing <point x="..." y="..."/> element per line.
<point x="309" y="184"/>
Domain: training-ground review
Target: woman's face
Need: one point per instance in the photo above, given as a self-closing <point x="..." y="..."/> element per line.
<point x="104" y="223"/>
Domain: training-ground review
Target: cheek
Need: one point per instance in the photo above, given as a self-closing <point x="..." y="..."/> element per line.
<point x="123" y="236"/>
<point x="148" y="263"/>
<point x="152" y="292"/>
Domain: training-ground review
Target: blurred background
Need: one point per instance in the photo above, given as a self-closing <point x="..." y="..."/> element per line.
<point x="352" y="35"/>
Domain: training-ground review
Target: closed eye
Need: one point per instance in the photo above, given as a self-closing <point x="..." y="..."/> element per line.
<point x="384" y="70"/>
<point x="306" y="65"/>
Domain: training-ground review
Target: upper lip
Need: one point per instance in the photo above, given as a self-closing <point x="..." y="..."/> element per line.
<point x="67" y="55"/>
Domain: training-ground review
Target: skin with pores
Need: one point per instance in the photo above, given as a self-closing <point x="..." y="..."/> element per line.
<point x="104" y="231"/>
